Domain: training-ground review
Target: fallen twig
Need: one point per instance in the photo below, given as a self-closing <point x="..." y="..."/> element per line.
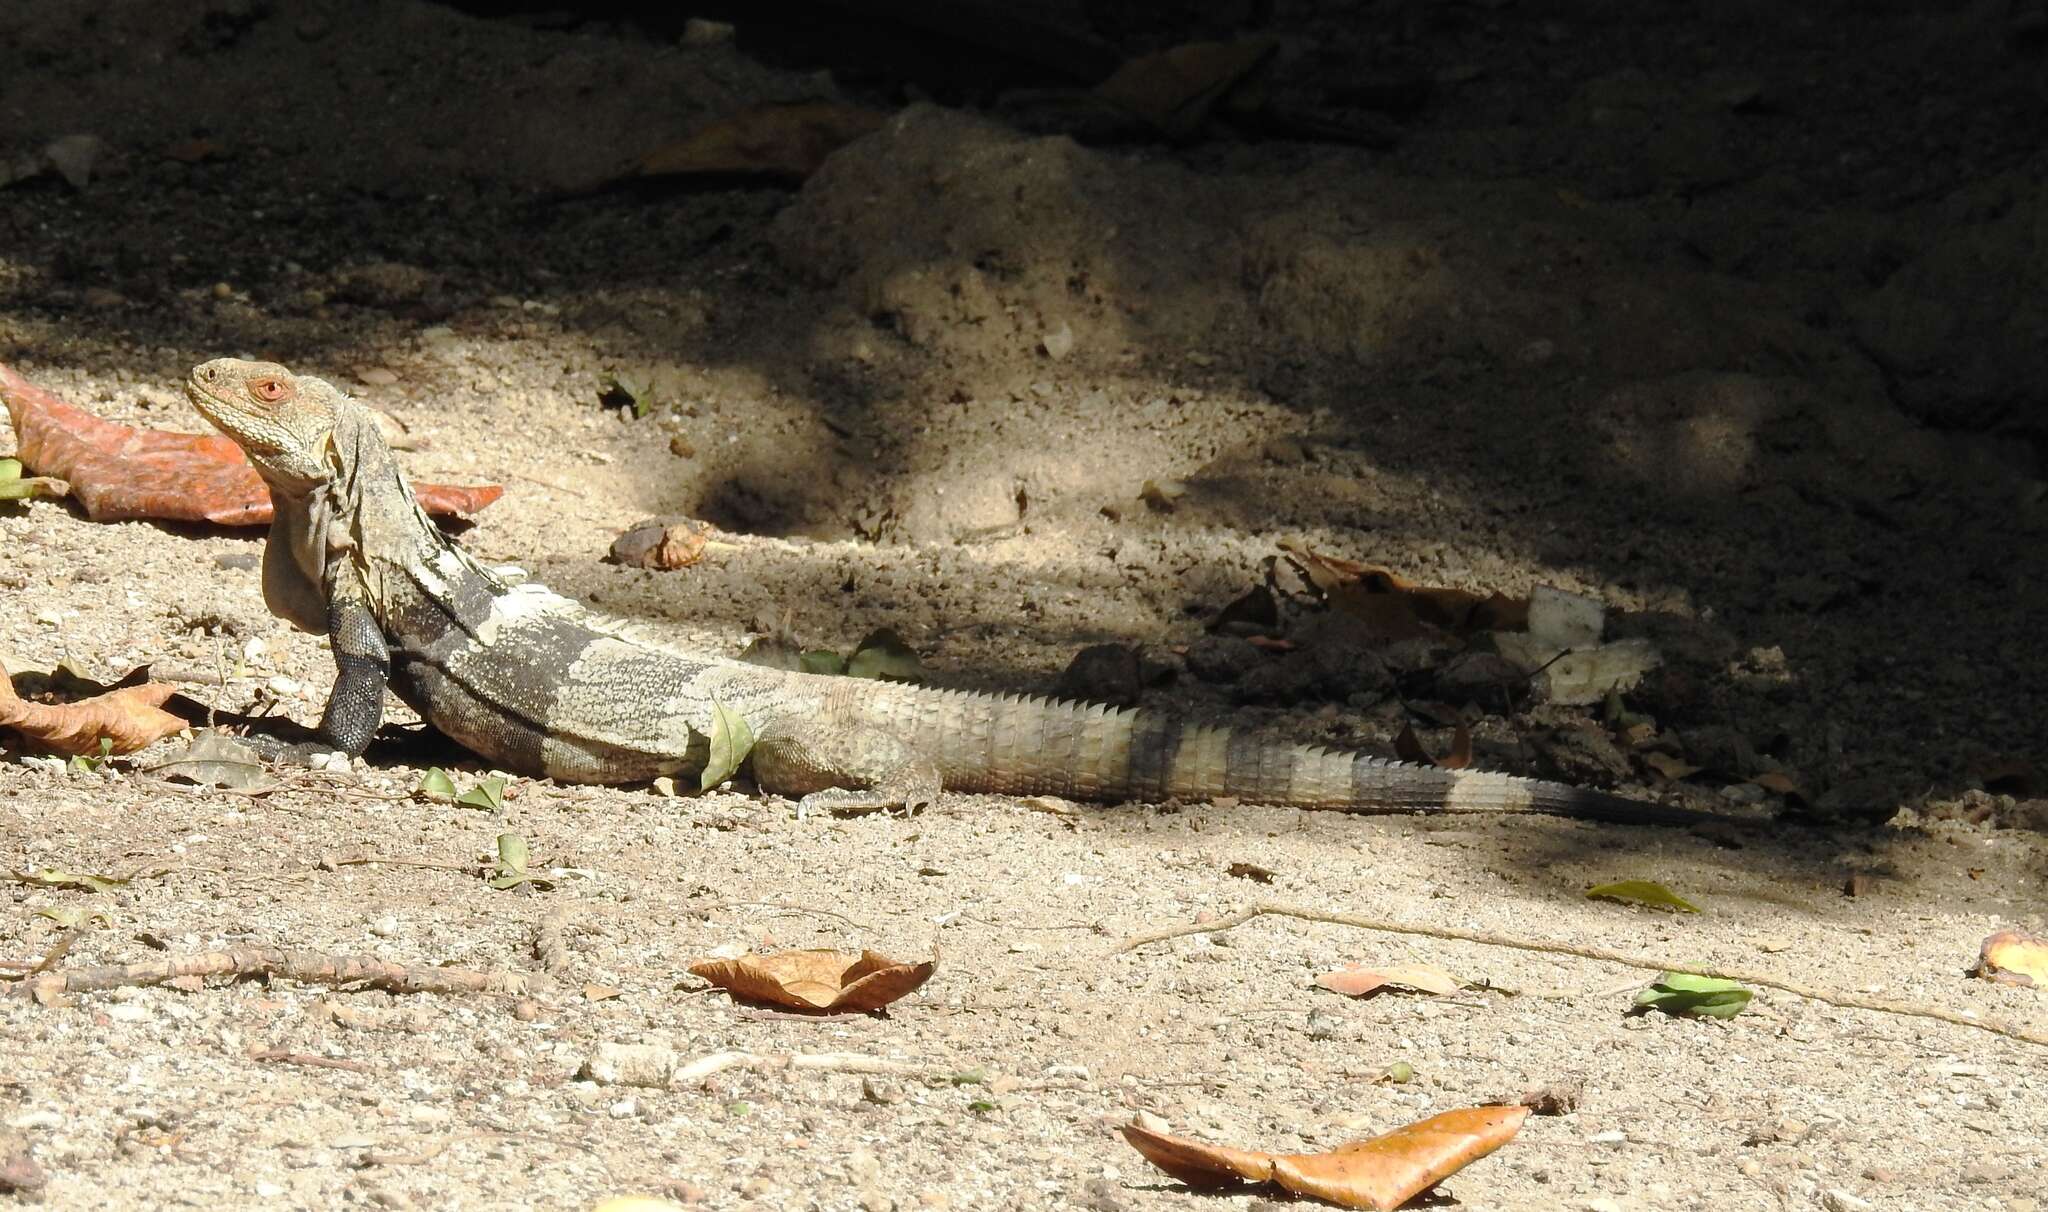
<point x="278" y="1056"/>
<point x="830" y="1062"/>
<point x="1853" y="1001"/>
<point x="309" y="967"/>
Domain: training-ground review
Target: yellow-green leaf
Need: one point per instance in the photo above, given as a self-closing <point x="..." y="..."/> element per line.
<point x="71" y="917"/>
<point x="436" y="785"/>
<point x="512" y="858"/>
<point x="16" y="487"/>
<point x="884" y="655"/>
<point x="731" y="740"/>
<point x="488" y="794"/>
<point x="52" y="877"/>
<point x="1642" y="892"/>
<point x="822" y="660"/>
<point x="1700" y="996"/>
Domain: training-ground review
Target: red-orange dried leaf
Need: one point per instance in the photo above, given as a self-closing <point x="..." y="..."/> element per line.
<point x="2014" y="957"/>
<point x="1354" y="981"/>
<point x="118" y="472"/>
<point x="129" y="718"/>
<point x="1393" y="607"/>
<point x="816" y="980"/>
<point x="1382" y="1173"/>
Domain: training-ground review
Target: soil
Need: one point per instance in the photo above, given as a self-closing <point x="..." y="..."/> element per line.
<point x="1732" y="319"/>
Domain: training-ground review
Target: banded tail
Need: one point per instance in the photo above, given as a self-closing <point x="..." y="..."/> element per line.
<point x="1015" y="744"/>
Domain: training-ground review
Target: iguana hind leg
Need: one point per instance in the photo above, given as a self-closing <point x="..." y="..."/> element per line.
<point x="829" y="770"/>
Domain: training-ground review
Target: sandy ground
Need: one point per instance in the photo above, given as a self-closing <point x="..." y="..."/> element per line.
<point x="1734" y="324"/>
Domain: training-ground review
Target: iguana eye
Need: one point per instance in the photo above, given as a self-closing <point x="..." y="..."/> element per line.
<point x="270" y="391"/>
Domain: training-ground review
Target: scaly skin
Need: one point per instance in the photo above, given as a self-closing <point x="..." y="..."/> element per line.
<point x="530" y="681"/>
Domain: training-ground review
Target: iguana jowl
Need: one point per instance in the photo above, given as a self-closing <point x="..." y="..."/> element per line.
<point x="530" y="681"/>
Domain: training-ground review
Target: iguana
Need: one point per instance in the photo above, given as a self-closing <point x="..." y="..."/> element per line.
<point x="530" y="681"/>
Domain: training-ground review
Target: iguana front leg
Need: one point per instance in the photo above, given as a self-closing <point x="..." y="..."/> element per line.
<point x="355" y="707"/>
<point x="362" y="667"/>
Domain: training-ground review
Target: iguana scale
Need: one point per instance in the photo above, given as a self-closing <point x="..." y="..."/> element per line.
<point x="530" y="681"/>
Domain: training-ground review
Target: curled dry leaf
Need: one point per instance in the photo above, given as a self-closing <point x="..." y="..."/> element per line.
<point x="664" y="546"/>
<point x="1641" y="892"/>
<point x="1408" y="747"/>
<point x="817" y="980"/>
<point x="1396" y="608"/>
<point x="1174" y="90"/>
<point x="118" y="472"/>
<point x="1354" y="981"/>
<point x="2014" y="957"/>
<point x="788" y="142"/>
<point x="129" y="718"/>
<point x="1382" y="1173"/>
<point x="1669" y="767"/>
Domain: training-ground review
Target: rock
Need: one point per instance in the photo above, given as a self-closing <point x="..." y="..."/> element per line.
<point x="652" y="1065"/>
<point x="1103" y="673"/>
<point x="1223" y="658"/>
<point x="74" y="156"/>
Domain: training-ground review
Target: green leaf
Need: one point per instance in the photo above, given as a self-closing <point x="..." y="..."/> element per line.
<point x="983" y="1106"/>
<point x="512" y="859"/>
<point x="488" y="794"/>
<point x="731" y="740"/>
<point x="627" y="389"/>
<point x="884" y="655"/>
<point x="969" y="1077"/>
<point x="1400" y="1073"/>
<point x="436" y="785"/>
<point x="1642" y="892"/>
<point x="822" y="660"/>
<point x="1701" y="996"/>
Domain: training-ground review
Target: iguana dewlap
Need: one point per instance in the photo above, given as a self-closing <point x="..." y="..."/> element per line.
<point x="531" y="682"/>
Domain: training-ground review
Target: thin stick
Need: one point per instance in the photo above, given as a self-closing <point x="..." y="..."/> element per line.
<point x="830" y="1062"/>
<point x="1852" y="1001"/>
<point x="309" y="967"/>
<point x="278" y="1056"/>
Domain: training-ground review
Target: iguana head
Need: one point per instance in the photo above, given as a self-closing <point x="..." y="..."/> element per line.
<point x="284" y="422"/>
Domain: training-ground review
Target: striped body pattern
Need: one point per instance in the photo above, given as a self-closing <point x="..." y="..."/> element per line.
<point x="532" y="682"/>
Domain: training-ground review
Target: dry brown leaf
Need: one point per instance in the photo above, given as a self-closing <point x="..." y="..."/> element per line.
<point x="1174" y="90"/>
<point x="1777" y="782"/>
<point x="118" y="472"/>
<point x="664" y="546"/>
<point x="1670" y="767"/>
<point x="2014" y="957"/>
<point x="1408" y="747"/>
<point x="1393" y="607"/>
<point x="1355" y="981"/>
<point x="783" y="141"/>
<point x="130" y="718"/>
<point x="1382" y="1173"/>
<point x="817" y="980"/>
